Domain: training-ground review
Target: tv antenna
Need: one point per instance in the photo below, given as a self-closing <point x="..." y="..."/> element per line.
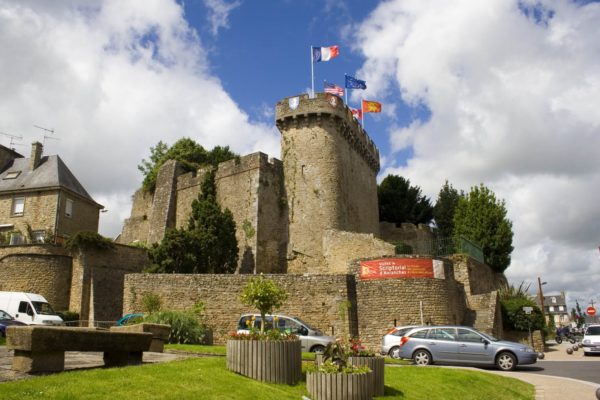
<point x="46" y="130"/>
<point x="12" y="139"/>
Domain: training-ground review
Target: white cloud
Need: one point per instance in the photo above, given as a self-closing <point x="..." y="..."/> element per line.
<point x="513" y="104"/>
<point x="219" y="11"/>
<point x="113" y="78"/>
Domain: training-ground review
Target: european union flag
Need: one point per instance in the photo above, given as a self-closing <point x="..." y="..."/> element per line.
<point x="353" y="83"/>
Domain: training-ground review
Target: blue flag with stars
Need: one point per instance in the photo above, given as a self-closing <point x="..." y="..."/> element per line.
<point x="353" y="83"/>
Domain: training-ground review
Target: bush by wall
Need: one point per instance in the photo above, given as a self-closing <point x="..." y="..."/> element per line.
<point x="185" y="326"/>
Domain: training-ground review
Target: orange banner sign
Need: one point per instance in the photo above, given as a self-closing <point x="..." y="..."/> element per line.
<point x="397" y="268"/>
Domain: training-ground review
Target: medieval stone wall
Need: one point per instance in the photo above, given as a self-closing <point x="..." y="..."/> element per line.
<point x="330" y="166"/>
<point x="137" y="226"/>
<point x="476" y="277"/>
<point x="316" y="299"/>
<point x="341" y="246"/>
<point x="407" y="233"/>
<point x="42" y="269"/>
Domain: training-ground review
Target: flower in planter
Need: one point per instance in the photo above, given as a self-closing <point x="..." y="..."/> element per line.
<point x="358" y="350"/>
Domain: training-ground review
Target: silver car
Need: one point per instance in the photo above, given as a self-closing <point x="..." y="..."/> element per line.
<point x="463" y="345"/>
<point x="390" y="344"/>
<point x="311" y="339"/>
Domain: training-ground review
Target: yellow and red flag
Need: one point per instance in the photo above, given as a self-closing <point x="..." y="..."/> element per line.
<point x="371" y="106"/>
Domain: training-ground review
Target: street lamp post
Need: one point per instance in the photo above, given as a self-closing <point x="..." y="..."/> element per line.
<point x="541" y="294"/>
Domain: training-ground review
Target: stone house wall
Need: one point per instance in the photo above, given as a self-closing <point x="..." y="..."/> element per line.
<point x="39" y="212"/>
<point x="85" y="215"/>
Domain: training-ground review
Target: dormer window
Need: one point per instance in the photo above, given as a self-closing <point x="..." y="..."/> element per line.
<point x="12" y="175"/>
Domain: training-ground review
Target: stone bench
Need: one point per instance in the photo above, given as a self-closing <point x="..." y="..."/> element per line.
<point x="42" y="348"/>
<point x="160" y="333"/>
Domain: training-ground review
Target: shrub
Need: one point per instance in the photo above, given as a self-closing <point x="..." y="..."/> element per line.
<point x="86" y="240"/>
<point x="514" y="318"/>
<point x="265" y="295"/>
<point x="68" y="316"/>
<point x="151" y="302"/>
<point x="185" y="326"/>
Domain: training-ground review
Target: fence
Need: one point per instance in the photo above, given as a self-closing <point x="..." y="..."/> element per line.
<point x="442" y="247"/>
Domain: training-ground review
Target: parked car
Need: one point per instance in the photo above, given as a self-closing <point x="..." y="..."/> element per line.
<point x="463" y="345"/>
<point x="311" y="339"/>
<point x="591" y="340"/>
<point x="7" y="320"/>
<point x="390" y="344"/>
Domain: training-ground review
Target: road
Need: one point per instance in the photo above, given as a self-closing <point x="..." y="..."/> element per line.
<point x="582" y="370"/>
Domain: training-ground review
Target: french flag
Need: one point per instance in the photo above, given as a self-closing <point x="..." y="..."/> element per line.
<point x="325" y="53"/>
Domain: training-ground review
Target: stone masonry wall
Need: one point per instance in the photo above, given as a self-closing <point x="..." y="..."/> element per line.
<point x="98" y="280"/>
<point x="39" y="212"/>
<point x="381" y="302"/>
<point x="341" y="247"/>
<point x="408" y="233"/>
<point x="476" y="277"/>
<point x="315" y="298"/>
<point x="84" y="217"/>
<point x="330" y="166"/>
<point x="162" y="216"/>
<point x="41" y="269"/>
<point x="136" y="227"/>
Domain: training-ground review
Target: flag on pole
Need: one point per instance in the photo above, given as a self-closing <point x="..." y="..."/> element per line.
<point x="356" y="113"/>
<point x="324" y="53"/>
<point x="371" y="106"/>
<point x="353" y="83"/>
<point x="333" y="89"/>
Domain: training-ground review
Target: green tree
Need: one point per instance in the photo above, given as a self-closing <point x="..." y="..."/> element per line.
<point x="190" y="155"/>
<point x="265" y="295"/>
<point x="400" y="202"/>
<point x="443" y="211"/>
<point x="481" y="218"/>
<point x="208" y="245"/>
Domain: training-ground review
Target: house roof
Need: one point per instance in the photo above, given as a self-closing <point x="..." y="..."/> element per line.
<point x="51" y="173"/>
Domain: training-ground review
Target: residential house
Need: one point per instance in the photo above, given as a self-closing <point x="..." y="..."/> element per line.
<point x="41" y="201"/>
<point x="555" y="307"/>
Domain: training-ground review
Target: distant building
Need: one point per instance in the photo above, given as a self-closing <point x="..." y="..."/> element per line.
<point x="555" y="307"/>
<point x="41" y="201"/>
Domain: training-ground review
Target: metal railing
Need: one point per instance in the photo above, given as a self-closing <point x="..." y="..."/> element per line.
<point x="442" y="247"/>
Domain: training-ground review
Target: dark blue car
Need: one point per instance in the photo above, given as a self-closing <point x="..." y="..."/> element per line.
<point x="7" y="320"/>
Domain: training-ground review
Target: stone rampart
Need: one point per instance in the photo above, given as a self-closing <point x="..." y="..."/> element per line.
<point x="314" y="298"/>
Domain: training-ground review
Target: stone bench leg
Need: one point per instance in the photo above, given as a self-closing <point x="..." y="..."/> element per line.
<point x="122" y="358"/>
<point x="30" y="361"/>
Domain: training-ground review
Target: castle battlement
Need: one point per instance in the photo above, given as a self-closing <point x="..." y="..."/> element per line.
<point x="246" y="163"/>
<point x="309" y="112"/>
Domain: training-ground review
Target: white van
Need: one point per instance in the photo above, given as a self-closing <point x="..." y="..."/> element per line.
<point x="29" y="308"/>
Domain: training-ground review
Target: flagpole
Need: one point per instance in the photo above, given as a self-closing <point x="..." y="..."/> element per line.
<point x="362" y="113"/>
<point x="345" y="91"/>
<point x="312" y="73"/>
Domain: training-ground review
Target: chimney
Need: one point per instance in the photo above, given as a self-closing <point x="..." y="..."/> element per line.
<point x="36" y="155"/>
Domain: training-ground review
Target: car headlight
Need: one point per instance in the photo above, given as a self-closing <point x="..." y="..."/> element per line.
<point x="527" y="350"/>
<point x="587" y="341"/>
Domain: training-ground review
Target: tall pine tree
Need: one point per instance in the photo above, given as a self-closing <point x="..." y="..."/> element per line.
<point x="443" y="211"/>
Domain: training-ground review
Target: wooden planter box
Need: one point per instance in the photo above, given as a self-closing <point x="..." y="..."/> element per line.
<point x="322" y="386"/>
<point x="266" y="360"/>
<point x="375" y="364"/>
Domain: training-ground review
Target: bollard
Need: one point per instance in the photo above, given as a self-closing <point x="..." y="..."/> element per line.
<point x="569" y="351"/>
<point x="541" y="356"/>
<point x="598" y="393"/>
<point x="575" y="347"/>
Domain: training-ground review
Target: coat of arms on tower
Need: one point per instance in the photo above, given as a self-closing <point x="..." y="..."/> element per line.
<point x="332" y="100"/>
<point x="293" y="102"/>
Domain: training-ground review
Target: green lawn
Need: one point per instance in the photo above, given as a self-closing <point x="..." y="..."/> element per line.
<point x="207" y="378"/>
<point x="2" y="341"/>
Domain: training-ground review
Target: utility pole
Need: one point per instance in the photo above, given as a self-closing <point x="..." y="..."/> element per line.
<point x="541" y="294"/>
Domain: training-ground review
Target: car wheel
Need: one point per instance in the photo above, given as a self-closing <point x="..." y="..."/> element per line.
<point x="395" y="352"/>
<point x="422" y="357"/>
<point x="318" y="349"/>
<point x="506" y="361"/>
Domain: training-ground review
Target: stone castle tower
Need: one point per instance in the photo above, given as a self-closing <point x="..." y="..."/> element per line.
<point x="282" y="209"/>
<point x="330" y="167"/>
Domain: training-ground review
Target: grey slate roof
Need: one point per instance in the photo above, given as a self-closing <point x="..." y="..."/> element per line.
<point x="51" y="173"/>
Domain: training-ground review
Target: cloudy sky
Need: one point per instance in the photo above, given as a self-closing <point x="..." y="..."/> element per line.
<point x="497" y="91"/>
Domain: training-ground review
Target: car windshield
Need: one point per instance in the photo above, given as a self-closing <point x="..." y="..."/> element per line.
<point x="43" y="308"/>
<point x="593" y="330"/>
<point x="4" y="316"/>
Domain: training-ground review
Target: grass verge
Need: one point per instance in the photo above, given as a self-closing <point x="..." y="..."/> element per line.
<point x="207" y="378"/>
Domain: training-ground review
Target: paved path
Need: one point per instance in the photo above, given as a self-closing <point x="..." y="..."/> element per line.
<point x="75" y="360"/>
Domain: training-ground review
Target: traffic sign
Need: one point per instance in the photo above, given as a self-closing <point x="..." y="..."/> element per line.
<point x="591" y="311"/>
<point x="528" y="310"/>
